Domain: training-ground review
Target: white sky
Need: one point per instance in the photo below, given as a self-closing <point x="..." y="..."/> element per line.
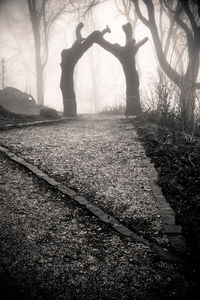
<point x="110" y="87"/>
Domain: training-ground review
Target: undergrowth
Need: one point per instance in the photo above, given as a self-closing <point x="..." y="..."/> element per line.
<point x="176" y="156"/>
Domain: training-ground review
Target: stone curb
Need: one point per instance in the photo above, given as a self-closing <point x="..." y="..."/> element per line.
<point x="96" y="211"/>
<point x="29" y="124"/>
<point x="173" y="231"/>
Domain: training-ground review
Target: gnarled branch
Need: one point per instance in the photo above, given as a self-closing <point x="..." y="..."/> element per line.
<point x="106" y="30"/>
<point x="128" y="32"/>
<point x="141" y="43"/>
<point x="151" y="24"/>
<point x="78" y="31"/>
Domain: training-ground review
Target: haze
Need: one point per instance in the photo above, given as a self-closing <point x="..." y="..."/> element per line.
<point x="92" y="94"/>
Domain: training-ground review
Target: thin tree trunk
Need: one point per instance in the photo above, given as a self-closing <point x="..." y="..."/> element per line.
<point x="39" y="76"/>
<point x="3" y="72"/>
<point x="35" y="22"/>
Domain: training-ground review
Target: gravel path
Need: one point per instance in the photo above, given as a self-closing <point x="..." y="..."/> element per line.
<point x="102" y="160"/>
<point x="52" y="249"/>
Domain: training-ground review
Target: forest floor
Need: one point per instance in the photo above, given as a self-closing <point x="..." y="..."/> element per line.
<point x="51" y="248"/>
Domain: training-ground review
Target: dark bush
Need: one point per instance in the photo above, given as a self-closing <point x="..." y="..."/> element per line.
<point x="49" y="113"/>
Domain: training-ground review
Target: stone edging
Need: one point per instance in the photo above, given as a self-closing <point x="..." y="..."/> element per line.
<point x="35" y="123"/>
<point x="173" y="231"/>
<point x="96" y="211"/>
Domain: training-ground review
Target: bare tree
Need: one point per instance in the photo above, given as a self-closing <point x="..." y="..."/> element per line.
<point x="185" y="14"/>
<point x="70" y="58"/>
<point x="42" y="20"/>
<point x="126" y="9"/>
<point x="126" y="55"/>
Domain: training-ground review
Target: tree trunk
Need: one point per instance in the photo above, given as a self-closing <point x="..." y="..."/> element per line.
<point x="187" y="103"/>
<point x="69" y="59"/>
<point x="132" y="82"/>
<point x="39" y="77"/>
<point x="3" y="72"/>
<point x="126" y="56"/>
<point x="67" y="84"/>
<point x="188" y="89"/>
<point x="35" y="22"/>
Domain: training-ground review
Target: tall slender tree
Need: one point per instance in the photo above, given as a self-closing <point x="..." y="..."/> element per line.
<point x="42" y="20"/>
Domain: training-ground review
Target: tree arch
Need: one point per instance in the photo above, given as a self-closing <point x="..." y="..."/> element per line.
<point x="125" y="54"/>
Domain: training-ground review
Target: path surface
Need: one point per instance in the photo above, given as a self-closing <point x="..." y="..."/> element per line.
<point x="51" y="246"/>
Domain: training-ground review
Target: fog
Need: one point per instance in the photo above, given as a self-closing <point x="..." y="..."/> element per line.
<point x="99" y="78"/>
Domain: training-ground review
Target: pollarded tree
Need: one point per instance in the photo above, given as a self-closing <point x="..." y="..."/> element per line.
<point x="126" y="55"/>
<point x="126" y="9"/>
<point x="186" y="16"/>
<point x="69" y="59"/>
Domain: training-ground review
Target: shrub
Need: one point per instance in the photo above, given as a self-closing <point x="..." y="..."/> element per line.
<point x="49" y="113"/>
<point x="114" y="110"/>
<point x="162" y="104"/>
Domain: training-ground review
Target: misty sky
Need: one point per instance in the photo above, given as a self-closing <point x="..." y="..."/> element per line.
<point x="107" y="89"/>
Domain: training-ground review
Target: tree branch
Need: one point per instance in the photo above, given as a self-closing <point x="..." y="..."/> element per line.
<point x="53" y="19"/>
<point x="78" y="31"/>
<point x="190" y="15"/>
<point x="170" y="33"/>
<point x="40" y="11"/>
<point x="142" y="42"/>
<point x="32" y="10"/>
<point x="128" y="32"/>
<point x="113" y="48"/>
<point x="183" y="25"/>
<point x="139" y="13"/>
<point x="106" y="30"/>
<point x="151" y="24"/>
<point x="177" y="17"/>
<point x="86" y="44"/>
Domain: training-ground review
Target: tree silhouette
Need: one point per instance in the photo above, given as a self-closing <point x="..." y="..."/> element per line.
<point x="69" y="59"/>
<point x="42" y="21"/>
<point x="185" y="14"/>
<point x="126" y="56"/>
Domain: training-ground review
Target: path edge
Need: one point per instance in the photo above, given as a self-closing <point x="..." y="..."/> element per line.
<point x="170" y="228"/>
<point x="95" y="210"/>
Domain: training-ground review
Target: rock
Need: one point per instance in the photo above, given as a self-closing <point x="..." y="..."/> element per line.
<point x="17" y="101"/>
